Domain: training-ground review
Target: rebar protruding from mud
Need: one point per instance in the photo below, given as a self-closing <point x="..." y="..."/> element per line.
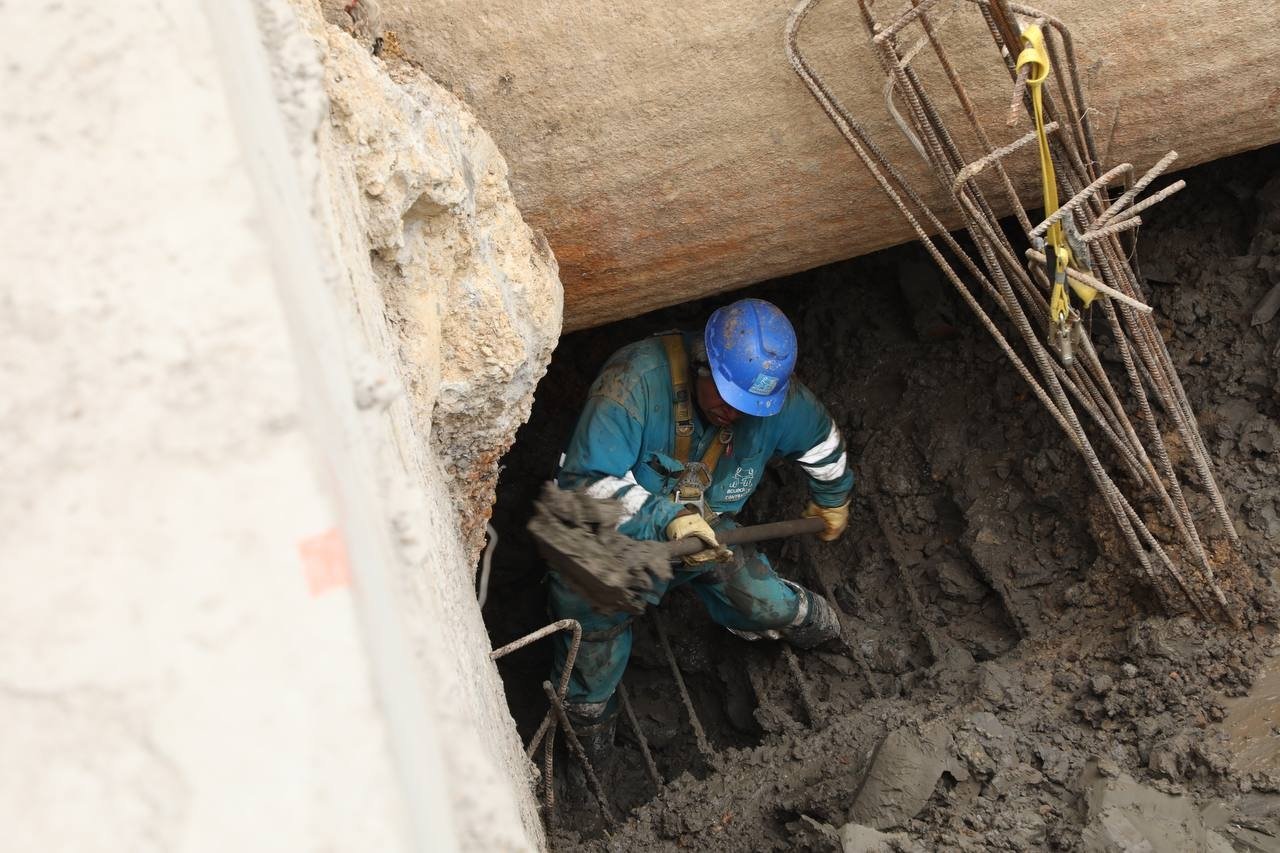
<point x="571" y="657"/>
<point x="649" y="764"/>
<point x="699" y="734"/>
<point x="575" y="746"/>
<point x="863" y="666"/>
<point x="547" y="730"/>
<point x="806" y="549"/>
<point x="802" y="684"/>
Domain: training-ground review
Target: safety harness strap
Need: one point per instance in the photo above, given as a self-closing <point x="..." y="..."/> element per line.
<point x="696" y="477"/>
<point x="712" y="457"/>
<point x="678" y="363"/>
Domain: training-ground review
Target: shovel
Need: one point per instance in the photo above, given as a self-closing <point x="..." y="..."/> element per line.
<point x="577" y="537"/>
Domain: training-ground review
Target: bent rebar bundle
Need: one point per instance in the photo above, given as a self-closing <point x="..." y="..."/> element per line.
<point x="1070" y="380"/>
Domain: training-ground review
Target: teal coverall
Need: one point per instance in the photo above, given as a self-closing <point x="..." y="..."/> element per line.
<point x="622" y="448"/>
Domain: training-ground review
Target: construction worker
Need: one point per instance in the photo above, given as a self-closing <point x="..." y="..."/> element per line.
<point x="679" y="428"/>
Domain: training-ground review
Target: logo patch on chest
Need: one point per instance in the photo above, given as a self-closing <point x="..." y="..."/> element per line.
<point x="740" y="484"/>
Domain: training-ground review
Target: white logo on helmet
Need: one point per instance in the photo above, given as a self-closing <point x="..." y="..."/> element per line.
<point x="764" y="384"/>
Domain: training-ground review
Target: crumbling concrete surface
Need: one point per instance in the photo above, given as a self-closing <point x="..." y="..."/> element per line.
<point x="669" y="152"/>
<point x="181" y="654"/>
<point x="456" y="305"/>
<point x="239" y="609"/>
<point x="472" y="292"/>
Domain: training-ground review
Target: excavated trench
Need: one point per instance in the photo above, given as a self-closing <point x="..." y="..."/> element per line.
<point x="1018" y="687"/>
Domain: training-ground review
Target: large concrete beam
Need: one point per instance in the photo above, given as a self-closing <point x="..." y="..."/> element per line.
<point x="668" y="151"/>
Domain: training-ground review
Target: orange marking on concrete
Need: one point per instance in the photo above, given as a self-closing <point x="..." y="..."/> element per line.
<point x="324" y="561"/>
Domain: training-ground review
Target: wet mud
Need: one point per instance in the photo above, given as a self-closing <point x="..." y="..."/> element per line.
<point x="1009" y="682"/>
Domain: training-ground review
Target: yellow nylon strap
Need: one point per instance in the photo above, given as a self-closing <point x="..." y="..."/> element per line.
<point x="1036" y="56"/>
<point x="678" y="363"/>
<point x="705" y="471"/>
<point x="712" y="457"/>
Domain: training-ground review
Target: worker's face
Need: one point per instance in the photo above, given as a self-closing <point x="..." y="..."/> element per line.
<point x="713" y="405"/>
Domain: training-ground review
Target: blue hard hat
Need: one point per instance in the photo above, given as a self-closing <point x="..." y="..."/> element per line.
<point x="751" y="349"/>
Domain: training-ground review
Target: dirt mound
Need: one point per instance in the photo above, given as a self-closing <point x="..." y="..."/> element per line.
<point x="1011" y="652"/>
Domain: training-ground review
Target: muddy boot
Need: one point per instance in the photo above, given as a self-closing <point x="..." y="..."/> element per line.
<point x="595" y="733"/>
<point x="815" y="624"/>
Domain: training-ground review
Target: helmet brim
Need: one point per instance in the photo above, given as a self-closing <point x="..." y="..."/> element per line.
<point x="759" y="405"/>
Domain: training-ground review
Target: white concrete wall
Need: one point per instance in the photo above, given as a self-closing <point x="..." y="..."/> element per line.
<point x="216" y="627"/>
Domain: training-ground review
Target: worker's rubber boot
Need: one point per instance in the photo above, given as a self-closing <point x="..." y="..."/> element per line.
<point x="595" y="729"/>
<point x="815" y="622"/>
<point x="818" y="625"/>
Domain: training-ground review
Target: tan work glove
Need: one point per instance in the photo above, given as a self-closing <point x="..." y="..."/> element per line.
<point x="693" y="524"/>
<point x="835" y="517"/>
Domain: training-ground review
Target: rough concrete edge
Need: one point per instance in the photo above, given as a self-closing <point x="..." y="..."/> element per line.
<point x="375" y="160"/>
<point x="332" y="415"/>
<point x="529" y="315"/>
<point x="497" y="339"/>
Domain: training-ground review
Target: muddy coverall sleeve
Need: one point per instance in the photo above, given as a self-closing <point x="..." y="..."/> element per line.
<point x="811" y="438"/>
<point x="604" y="448"/>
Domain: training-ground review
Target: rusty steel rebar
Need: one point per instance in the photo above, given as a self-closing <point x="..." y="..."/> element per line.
<point x="1089" y="281"/>
<point x="699" y="733"/>
<point x="546" y="733"/>
<point x="1005" y="278"/>
<point x="575" y="746"/>
<point x="1019" y="92"/>
<point x="1081" y="198"/>
<point x="649" y="765"/>
<point x="907" y="17"/>
<point x="976" y="167"/>
<point x="802" y="684"/>
<point x="1146" y="203"/>
<point x="1141" y="184"/>
<point x="1114" y="228"/>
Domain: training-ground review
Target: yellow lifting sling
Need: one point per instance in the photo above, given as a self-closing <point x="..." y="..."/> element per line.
<point x="1058" y="254"/>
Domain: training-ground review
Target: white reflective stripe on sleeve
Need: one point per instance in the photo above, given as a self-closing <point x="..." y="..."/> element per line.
<point x="822" y="449"/>
<point x="827" y="473"/>
<point x="606" y="486"/>
<point x="631" y="503"/>
<point x="561" y="460"/>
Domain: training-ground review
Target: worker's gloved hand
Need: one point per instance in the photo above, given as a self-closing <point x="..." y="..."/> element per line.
<point x="835" y="517"/>
<point x="690" y="523"/>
